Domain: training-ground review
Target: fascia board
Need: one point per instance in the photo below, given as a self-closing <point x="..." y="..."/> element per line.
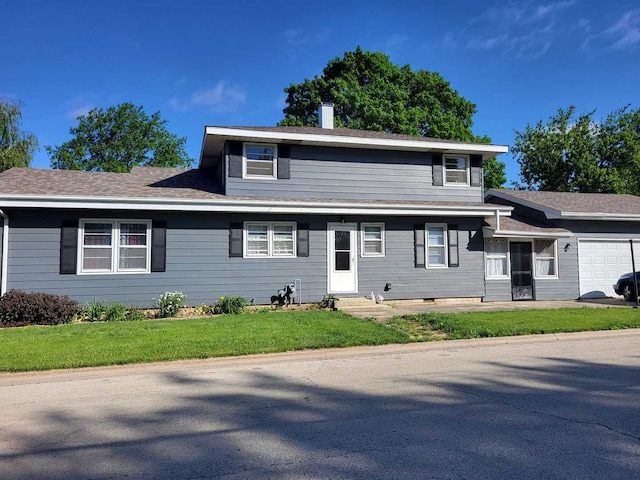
<point x="487" y="150"/>
<point x="550" y="213"/>
<point x="606" y="217"/>
<point x="521" y="234"/>
<point x="231" y="206"/>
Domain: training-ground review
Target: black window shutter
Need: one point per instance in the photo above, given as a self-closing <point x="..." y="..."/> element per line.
<point x="69" y="247"/>
<point x="476" y="170"/>
<point x="235" y="159"/>
<point x="454" y="254"/>
<point x="284" y="160"/>
<point x="436" y="161"/>
<point x="159" y="246"/>
<point x="235" y="240"/>
<point x="418" y="231"/>
<point x="303" y="239"/>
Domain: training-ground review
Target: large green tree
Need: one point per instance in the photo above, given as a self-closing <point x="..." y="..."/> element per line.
<point x="117" y="139"/>
<point x="581" y="153"/>
<point x="16" y="146"/>
<point x="369" y="92"/>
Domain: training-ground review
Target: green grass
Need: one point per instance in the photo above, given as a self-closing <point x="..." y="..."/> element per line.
<point x="96" y="344"/>
<point x="430" y="326"/>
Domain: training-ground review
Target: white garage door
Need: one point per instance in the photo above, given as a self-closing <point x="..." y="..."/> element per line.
<point x="601" y="263"/>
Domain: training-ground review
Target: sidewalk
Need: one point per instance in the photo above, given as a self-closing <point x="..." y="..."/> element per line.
<point x="365" y="308"/>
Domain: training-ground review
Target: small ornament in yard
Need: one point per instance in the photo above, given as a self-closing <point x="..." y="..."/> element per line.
<point x="285" y="295"/>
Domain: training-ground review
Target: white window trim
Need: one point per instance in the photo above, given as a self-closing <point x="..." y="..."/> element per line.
<point x="444" y="170"/>
<point x="382" y="239"/>
<point x="446" y="245"/>
<point x="115" y="246"/>
<point x="487" y="255"/>
<point x="270" y="254"/>
<point x="555" y="260"/>
<point x="275" y="161"/>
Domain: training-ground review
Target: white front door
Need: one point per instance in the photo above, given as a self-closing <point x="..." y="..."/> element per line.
<point x="343" y="270"/>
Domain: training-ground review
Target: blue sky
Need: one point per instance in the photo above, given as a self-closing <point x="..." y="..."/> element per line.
<point x="226" y="63"/>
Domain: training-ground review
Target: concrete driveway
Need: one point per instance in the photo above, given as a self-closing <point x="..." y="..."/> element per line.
<point x="549" y="406"/>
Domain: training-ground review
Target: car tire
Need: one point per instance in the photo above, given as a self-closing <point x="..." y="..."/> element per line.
<point x="628" y="293"/>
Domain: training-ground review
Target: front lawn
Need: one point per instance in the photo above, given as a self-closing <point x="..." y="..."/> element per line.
<point x="114" y="343"/>
<point x="432" y="326"/>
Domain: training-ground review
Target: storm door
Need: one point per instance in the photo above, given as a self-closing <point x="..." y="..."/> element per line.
<point x="342" y="267"/>
<point x="521" y="271"/>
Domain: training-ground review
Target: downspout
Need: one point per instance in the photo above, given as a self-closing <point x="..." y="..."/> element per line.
<point x="5" y="253"/>
<point x="497" y="220"/>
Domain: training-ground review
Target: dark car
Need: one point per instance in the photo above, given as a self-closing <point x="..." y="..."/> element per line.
<point x="625" y="287"/>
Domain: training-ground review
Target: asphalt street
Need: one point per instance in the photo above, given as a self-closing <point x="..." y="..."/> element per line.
<point x="541" y="407"/>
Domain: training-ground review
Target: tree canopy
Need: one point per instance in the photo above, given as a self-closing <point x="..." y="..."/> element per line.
<point x="16" y="146"/>
<point x="580" y="153"/>
<point x="117" y="139"/>
<point x="369" y="92"/>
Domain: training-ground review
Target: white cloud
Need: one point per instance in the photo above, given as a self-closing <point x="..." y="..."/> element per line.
<point x="220" y="98"/>
<point x="517" y="29"/>
<point x="80" y="105"/>
<point x="298" y="37"/>
<point x="623" y="34"/>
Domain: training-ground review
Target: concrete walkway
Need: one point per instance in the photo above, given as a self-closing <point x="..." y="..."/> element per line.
<point x="364" y="308"/>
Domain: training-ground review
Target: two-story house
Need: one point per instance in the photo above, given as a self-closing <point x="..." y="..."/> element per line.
<point x="337" y="211"/>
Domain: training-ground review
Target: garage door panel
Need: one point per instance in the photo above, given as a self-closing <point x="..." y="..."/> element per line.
<point x="601" y="264"/>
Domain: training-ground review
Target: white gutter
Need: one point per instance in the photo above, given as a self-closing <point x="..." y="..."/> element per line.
<point x="489" y="233"/>
<point x="247" y="206"/>
<point x="611" y="217"/>
<point x="5" y="253"/>
<point x="383" y="143"/>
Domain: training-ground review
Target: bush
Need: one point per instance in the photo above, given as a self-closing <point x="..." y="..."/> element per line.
<point x="115" y="312"/>
<point x="21" y="308"/>
<point x="94" y="311"/>
<point x="170" y="303"/>
<point x="230" y="305"/>
<point x="135" y="315"/>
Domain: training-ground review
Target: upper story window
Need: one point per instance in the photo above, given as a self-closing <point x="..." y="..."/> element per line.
<point x="115" y="246"/>
<point x="260" y="160"/>
<point x="436" y="246"/>
<point x="372" y="239"/>
<point x="456" y="170"/>
<point x="270" y="239"/>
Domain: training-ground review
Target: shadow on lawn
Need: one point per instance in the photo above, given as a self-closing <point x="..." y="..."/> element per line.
<point x="569" y="419"/>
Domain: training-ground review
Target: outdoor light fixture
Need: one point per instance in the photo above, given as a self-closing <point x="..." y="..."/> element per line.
<point x="567" y="247"/>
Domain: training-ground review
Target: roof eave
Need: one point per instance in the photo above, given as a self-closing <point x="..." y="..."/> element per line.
<point x="490" y="233"/>
<point x="247" y="206"/>
<point x="605" y="217"/>
<point x="486" y="150"/>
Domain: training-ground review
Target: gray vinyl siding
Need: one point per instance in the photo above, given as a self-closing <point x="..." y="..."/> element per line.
<point x="409" y="282"/>
<point x="565" y="287"/>
<point x="498" y="290"/>
<point x="346" y="173"/>
<point x="198" y="262"/>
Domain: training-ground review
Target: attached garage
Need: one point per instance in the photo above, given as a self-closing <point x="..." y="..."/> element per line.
<point x="601" y="262"/>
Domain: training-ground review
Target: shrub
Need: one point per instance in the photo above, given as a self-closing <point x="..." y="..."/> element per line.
<point x="22" y="308"/>
<point x="134" y="315"/>
<point x="93" y="311"/>
<point x="230" y="305"/>
<point x="115" y="312"/>
<point x="170" y="303"/>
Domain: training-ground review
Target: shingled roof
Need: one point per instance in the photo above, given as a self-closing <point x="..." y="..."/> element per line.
<point x="171" y="185"/>
<point x="514" y="225"/>
<point x="346" y="132"/>
<point x="567" y="204"/>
